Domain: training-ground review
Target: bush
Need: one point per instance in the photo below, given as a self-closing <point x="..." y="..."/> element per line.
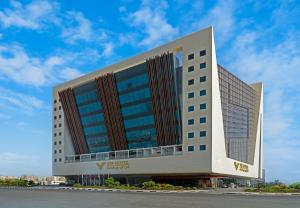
<point x="111" y="183"/>
<point x="295" y="185"/>
<point x="13" y="182"/>
<point x="149" y="185"/>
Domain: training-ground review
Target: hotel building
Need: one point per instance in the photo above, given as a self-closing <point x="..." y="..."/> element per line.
<point x="171" y="113"/>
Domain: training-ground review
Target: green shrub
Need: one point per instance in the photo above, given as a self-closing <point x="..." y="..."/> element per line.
<point x="149" y="185"/>
<point x="295" y="185"/>
<point x="111" y="183"/>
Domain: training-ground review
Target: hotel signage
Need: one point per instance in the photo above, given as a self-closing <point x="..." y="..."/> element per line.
<point x="241" y="167"/>
<point x="113" y="165"/>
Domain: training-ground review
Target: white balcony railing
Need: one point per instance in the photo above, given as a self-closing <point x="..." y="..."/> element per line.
<point x="127" y="154"/>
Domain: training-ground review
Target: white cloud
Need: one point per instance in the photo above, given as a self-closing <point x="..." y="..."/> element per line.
<point x="31" y="16"/>
<point x="79" y="28"/>
<point x="19" y="101"/>
<point x="221" y="17"/>
<point x="150" y="18"/>
<point x="70" y="73"/>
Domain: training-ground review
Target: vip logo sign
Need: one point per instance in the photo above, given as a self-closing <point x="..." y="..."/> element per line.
<point x="101" y="165"/>
<point x="241" y="167"/>
<point x="113" y="165"/>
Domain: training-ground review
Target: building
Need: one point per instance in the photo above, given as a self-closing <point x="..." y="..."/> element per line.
<point x="171" y="113"/>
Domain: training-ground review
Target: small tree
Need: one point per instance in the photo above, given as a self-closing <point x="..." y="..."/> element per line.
<point x="111" y="183"/>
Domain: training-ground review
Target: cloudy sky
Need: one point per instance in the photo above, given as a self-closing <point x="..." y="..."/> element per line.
<point x="43" y="43"/>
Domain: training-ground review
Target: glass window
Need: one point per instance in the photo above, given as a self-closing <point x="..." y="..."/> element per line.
<point x="202" y="120"/>
<point x="59" y="107"/>
<point x="203" y="65"/>
<point x="136" y="109"/>
<point x="59" y="142"/>
<point x="202" y="106"/>
<point x="202" y="133"/>
<point x="54" y="109"/>
<point x="54" y="117"/>
<point x="191" y="148"/>
<point x="191" y="82"/>
<point x="86" y="97"/>
<point x="203" y="79"/>
<point x="132" y="82"/>
<point x="55" y="143"/>
<point x="202" y="92"/>
<point x="142" y="121"/>
<point x="55" y="134"/>
<point x="191" y="108"/>
<point x="135" y="96"/>
<point x="190" y="121"/>
<point x="191" y="69"/>
<point x="190" y="94"/>
<point x="202" y="52"/>
<point x="55" y="101"/>
<point x="191" y="135"/>
<point x="54" y="125"/>
<point x="92" y="107"/>
<point x="202" y="147"/>
<point x="191" y="56"/>
<point x="55" y="160"/>
<point x="87" y="120"/>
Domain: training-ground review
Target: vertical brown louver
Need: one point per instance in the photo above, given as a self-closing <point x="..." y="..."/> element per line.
<point x="73" y="120"/>
<point x="163" y="98"/>
<point x="107" y="90"/>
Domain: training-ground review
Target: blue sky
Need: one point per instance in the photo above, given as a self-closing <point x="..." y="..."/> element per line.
<point x="43" y="43"/>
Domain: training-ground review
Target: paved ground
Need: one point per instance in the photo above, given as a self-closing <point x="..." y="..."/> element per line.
<point x="26" y="198"/>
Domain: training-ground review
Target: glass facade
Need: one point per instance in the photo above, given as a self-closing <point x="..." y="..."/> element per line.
<point x="134" y="94"/>
<point x="238" y="107"/>
<point x="92" y="119"/>
<point x="136" y="107"/>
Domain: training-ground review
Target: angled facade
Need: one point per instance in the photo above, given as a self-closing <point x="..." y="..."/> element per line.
<point x="170" y="113"/>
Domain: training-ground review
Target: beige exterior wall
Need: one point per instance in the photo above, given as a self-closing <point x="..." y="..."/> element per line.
<point x="212" y="160"/>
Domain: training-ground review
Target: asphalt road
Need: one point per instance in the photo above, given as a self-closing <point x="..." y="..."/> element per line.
<point x="18" y="198"/>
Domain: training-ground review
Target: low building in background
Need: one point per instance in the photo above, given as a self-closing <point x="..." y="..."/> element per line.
<point x="172" y="114"/>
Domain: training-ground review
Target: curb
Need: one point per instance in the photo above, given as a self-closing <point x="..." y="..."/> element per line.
<point x="147" y="191"/>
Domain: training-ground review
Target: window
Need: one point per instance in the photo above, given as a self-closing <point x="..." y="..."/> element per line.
<point x="191" y="135"/>
<point x="59" y="159"/>
<point x="202" y="147"/>
<point x="54" y="109"/>
<point x="59" y="133"/>
<point x="191" y="82"/>
<point x="202" y="92"/>
<point x="59" y="125"/>
<point x="202" y="133"/>
<point x="202" y="106"/>
<point x="59" y="142"/>
<point x="203" y="65"/>
<point x="191" y="56"/>
<point x="203" y="79"/>
<point x="54" y="117"/>
<point x="55" y="101"/>
<point x="202" y="120"/>
<point x="55" y="143"/>
<point x="191" y="108"/>
<point x="54" y="134"/>
<point x="202" y="52"/>
<point x="55" y="151"/>
<point x="54" y="125"/>
<point x="59" y="151"/>
<point x="191" y="122"/>
<point x="191" y="95"/>
<point x="55" y="160"/>
<point x="59" y="116"/>
<point x="191" y="148"/>
<point x="59" y="107"/>
<point x="191" y="69"/>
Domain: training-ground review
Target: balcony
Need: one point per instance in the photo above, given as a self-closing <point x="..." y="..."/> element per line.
<point x="162" y="151"/>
